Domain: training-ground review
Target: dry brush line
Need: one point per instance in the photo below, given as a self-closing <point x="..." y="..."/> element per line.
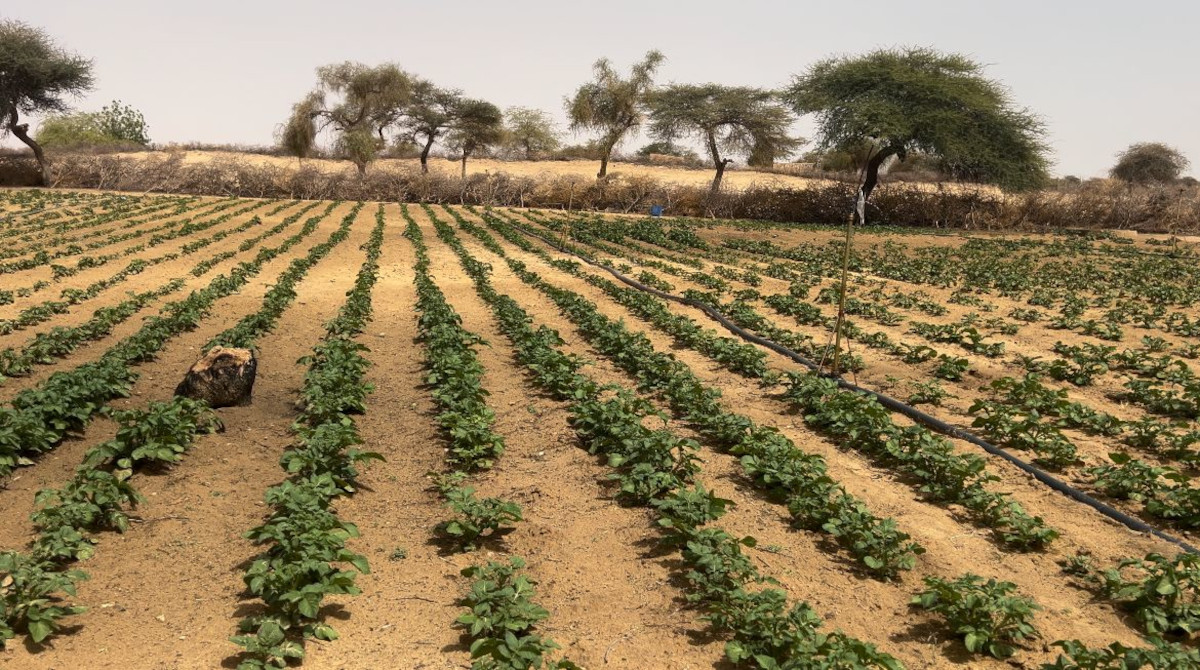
<point x="1099" y="204"/>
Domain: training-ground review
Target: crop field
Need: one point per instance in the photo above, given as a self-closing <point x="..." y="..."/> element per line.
<point x="472" y="445"/>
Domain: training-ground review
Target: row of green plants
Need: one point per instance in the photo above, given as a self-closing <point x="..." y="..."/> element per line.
<point x="1017" y="420"/>
<point x="683" y="241"/>
<point x="988" y="616"/>
<point x="170" y="229"/>
<point x="454" y="376"/>
<point x="815" y="501"/>
<point x="656" y="469"/>
<point x="173" y="230"/>
<point x="43" y="257"/>
<point x="792" y="304"/>
<point x="38" y="236"/>
<point x="37" y="313"/>
<point x="45" y="347"/>
<point x="861" y="423"/>
<point x="36" y="585"/>
<point x="1031" y="431"/>
<point x="993" y="603"/>
<point x="1071" y="414"/>
<point x="305" y="557"/>
<point x="1126" y="478"/>
<point x="49" y="236"/>
<point x="1024" y="413"/>
<point x="282" y="293"/>
<point x="40" y="417"/>
<point x="502" y="615"/>
<point x="22" y="214"/>
<point x="1013" y="268"/>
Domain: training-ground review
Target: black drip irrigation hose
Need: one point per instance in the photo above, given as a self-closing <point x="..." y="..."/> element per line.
<point x="927" y="420"/>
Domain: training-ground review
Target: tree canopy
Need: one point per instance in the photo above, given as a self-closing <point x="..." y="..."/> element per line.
<point x="529" y="132"/>
<point x="357" y="102"/>
<point x="479" y="125"/>
<point x="1149" y="163"/>
<point x="430" y="114"/>
<point x="726" y="119"/>
<point x="613" y="105"/>
<point x="36" y="77"/>
<point x="918" y="99"/>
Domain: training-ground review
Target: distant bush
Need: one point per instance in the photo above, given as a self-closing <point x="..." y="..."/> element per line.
<point x="115" y="125"/>
<point x="590" y="150"/>
<point x="1149" y="163"/>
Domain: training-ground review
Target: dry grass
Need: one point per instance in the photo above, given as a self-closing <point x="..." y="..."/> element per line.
<point x="631" y="187"/>
<point x="738" y="179"/>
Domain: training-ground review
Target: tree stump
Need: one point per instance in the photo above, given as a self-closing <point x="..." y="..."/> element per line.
<point x="223" y="378"/>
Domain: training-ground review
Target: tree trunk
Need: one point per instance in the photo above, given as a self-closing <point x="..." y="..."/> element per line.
<point x="870" y="181"/>
<point x="362" y="168"/>
<point x="718" y="162"/>
<point x="608" y="149"/>
<point x="425" y="155"/>
<point x="22" y="133"/>
<point x="464" y="166"/>
<point x="716" y="183"/>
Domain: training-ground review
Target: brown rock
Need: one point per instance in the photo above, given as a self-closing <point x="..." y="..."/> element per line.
<point x="223" y="378"/>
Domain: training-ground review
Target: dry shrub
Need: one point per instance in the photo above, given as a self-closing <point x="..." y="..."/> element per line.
<point x="19" y="171"/>
<point x="1094" y="204"/>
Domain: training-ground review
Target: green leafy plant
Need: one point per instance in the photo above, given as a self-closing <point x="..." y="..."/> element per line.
<point x="1162" y="593"/>
<point x="31" y="593"/>
<point x="986" y="614"/>
<point x="475" y="518"/>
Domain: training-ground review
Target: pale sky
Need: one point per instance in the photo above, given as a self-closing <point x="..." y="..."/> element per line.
<point x="1102" y="74"/>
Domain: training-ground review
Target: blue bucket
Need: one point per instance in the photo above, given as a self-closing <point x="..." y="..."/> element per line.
<point x="656" y="210"/>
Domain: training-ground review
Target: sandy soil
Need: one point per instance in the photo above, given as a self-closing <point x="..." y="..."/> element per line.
<point x="168" y="593"/>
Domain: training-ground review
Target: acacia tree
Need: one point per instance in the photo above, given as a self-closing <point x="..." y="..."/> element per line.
<point x="531" y="131"/>
<point x="918" y="99"/>
<point x="726" y="119"/>
<point x="612" y="105"/>
<point x="1149" y="163"/>
<point x="431" y="113"/>
<point x="479" y="125"/>
<point x="357" y="102"/>
<point x="35" y="76"/>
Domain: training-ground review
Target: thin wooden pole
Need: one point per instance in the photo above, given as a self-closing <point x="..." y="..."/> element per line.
<point x="841" y="317"/>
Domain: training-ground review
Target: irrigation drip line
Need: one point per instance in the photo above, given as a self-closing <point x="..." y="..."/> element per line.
<point x="927" y="420"/>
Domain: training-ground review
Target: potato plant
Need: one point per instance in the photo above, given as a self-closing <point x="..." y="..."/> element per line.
<point x="305" y="557"/>
<point x="987" y="615"/>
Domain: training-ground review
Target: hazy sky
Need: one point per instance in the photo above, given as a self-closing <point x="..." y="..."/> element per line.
<point x="1103" y="74"/>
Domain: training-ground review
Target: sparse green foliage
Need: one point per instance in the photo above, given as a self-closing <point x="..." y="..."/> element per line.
<point x="529" y="133"/>
<point x="478" y="127"/>
<point x="429" y="115"/>
<point x="726" y="119"/>
<point x="357" y="102"/>
<point x="612" y="105"/>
